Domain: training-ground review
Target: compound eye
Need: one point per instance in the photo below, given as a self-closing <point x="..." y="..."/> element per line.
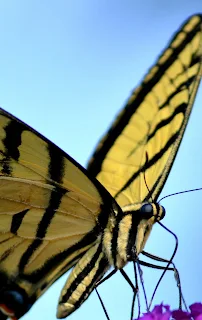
<point x="163" y="213"/>
<point x="147" y="211"/>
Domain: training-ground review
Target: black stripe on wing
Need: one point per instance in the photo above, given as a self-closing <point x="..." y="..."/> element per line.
<point x="55" y="173"/>
<point x="11" y="143"/>
<point x="17" y="221"/>
<point x="149" y="164"/>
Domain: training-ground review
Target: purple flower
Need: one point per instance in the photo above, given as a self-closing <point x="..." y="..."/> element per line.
<point x="161" y="312"/>
<point x="196" y="310"/>
<point x="181" y="315"/>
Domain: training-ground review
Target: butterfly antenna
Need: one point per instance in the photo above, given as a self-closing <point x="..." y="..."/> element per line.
<point x="180" y="192"/>
<point x="102" y="303"/>
<point x="146" y="162"/>
<point x="170" y="262"/>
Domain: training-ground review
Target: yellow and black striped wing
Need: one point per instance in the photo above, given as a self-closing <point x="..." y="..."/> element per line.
<point x="144" y="139"/>
<point x="51" y="212"/>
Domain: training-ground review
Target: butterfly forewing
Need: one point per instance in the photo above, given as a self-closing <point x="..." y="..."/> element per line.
<point x="146" y="135"/>
<point x="49" y="208"/>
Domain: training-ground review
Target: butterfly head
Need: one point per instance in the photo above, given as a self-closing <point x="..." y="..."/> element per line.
<point x="144" y="219"/>
<point x="152" y="210"/>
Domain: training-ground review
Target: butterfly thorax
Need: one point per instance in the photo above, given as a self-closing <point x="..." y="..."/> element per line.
<point x="126" y="234"/>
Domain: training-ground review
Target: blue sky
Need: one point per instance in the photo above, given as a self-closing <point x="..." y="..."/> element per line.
<point x="66" y="69"/>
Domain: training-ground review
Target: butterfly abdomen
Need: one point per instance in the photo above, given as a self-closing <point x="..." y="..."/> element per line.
<point x="82" y="280"/>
